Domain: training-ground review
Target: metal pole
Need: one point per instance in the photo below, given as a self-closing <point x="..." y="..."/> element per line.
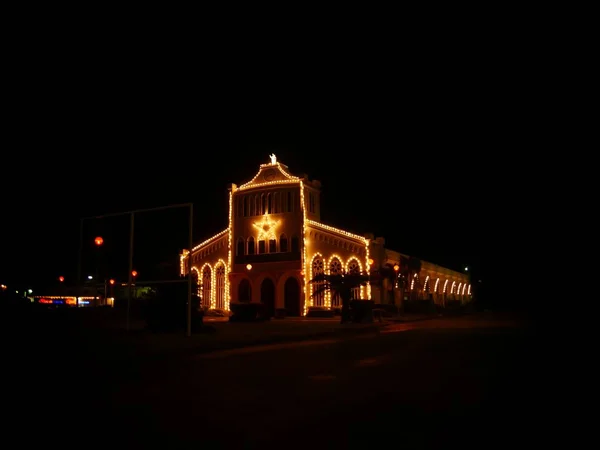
<point x="79" y="284"/>
<point x="188" y="331"/>
<point x="130" y="267"/>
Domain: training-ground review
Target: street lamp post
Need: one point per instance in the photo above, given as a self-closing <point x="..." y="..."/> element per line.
<point x="98" y="241"/>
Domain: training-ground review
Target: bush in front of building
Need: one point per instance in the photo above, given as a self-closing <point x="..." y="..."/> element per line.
<point x="166" y="311"/>
<point x="319" y="311"/>
<point x="361" y="311"/>
<point x="248" y="312"/>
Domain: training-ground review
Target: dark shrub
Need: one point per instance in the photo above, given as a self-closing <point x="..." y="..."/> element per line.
<point x="248" y="312"/>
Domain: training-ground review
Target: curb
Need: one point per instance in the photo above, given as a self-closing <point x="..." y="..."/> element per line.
<point x="198" y="350"/>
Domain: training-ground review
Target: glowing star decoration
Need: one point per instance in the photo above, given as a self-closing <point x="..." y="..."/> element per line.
<point x="266" y="228"/>
<point x="273" y="158"/>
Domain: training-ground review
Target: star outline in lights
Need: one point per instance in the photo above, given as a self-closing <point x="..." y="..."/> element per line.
<point x="266" y="228"/>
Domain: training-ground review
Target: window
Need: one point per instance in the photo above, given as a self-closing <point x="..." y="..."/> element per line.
<point x="354" y="268"/>
<point x="262" y="247"/>
<point x="272" y="246"/>
<point x="240" y="247"/>
<point x="220" y="288"/>
<point x="283" y="243"/>
<point x="251" y="246"/>
<point x="206" y="282"/>
<point x="295" y="244"/>
<point x="318" y="293"/>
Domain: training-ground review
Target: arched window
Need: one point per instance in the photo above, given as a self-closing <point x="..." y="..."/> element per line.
<point x="263" y="204"/>
<point x="317" y="268"/>
<point x="354" y="268"/>
<point x="295" y="244"/>
<point x="251" y="246"/>
<point x="283" y="243"/>
<point x="262" y="246"/>
<point x="220" y="286"/>
<point x="272" y="246"/>
<point x="240" y="247"/>
<point x="206" y="285"/>
<point x="335" y="268"/>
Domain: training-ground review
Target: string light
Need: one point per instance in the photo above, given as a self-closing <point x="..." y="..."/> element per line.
<point x="452" y="289"/>
<point x="266" y="228"/>
<point x="445" y="284"/>
<point x="216" y="236"/>
<point x="361" y="239"/>
<point x="204" y="288"/>
<point x="303" y="256"/>
<point x="198" y="283"/>
<point x="229" y="244"/>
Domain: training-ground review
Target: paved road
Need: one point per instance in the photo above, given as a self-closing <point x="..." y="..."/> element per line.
<point x="461" y="381"/>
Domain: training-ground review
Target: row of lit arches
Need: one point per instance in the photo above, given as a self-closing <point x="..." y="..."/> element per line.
<point x="455" y="288"/>
<point x="251" y="246"/>
<point x="213" y="285"/>
<point x="333" y="266"/>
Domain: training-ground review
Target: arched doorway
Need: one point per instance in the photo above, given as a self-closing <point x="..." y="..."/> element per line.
<point x="267" y="296"/>
<point x="291" y="297"/>
<point x="244" y="291"/>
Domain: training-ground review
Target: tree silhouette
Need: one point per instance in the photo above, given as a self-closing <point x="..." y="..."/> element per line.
<point x="340" y="285"/>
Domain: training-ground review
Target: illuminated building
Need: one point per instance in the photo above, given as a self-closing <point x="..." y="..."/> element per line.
<point x="275" y="243"/>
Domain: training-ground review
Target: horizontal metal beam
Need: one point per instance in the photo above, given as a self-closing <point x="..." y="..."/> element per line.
<point x="137" y="283"/>
<point x="159" y="208"/>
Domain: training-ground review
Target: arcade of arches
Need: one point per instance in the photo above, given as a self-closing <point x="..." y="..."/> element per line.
<point x="275" y="244"/>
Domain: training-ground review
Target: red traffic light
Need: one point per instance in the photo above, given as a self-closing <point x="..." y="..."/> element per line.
<point x="99" y="241"/>
<point x="61" y="279"/>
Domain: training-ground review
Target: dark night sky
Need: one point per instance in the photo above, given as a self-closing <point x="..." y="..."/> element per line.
<point x="419" y="170"/>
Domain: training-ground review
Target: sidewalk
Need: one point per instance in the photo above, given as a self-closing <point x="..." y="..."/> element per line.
<point x="228" y="335"/>
<point x="413" y="317"/>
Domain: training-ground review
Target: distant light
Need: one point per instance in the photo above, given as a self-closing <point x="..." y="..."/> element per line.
<point x="3" y="286"/>
<point x="134" y="273"/>
<point x="396" y="267"/>
<point x="467" y="269"/>
<point x="30" y="291"/>
<point x="111" y="281"/>
<point x="371" y="261"/>
<point x="99" y="241"/>
<point x="61" y="279"/>
<point x="90" y="277"/>
<point x="249" y="266"/>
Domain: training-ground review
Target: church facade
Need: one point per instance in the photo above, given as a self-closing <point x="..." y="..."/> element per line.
<point x="275" y="243"/>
